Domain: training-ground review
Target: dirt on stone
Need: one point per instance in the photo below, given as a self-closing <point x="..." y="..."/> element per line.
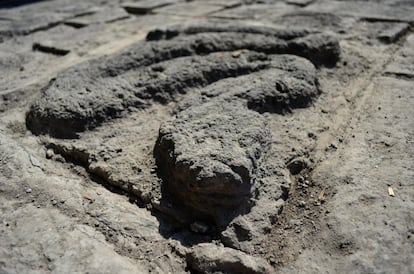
<point x="206" y="137"/>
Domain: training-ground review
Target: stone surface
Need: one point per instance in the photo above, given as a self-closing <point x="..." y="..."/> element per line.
<point x="75" y="101"/>
<point x="209" y="258"/>
<point x="99" y="17"/>
<point x="289" y="83"/>
<point x="340" y="136"/>
<point x="209" y="157"/>
<point x="376" y="12"/>
<point x="394" y="33"/>
<point x="254" y="11"/>
<point x="372" y="236"/>
<point x="403" y="62"/>
<point x="320" y="48"/>
<point x="54" y="245"/>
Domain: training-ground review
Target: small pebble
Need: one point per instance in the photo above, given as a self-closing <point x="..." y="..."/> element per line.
<point x="302" y="204"/>
<point x="28" y="190"/>
<point x="49" y="154"/>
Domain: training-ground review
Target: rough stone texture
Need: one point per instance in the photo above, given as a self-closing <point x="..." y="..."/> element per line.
<point x="254" y="11"/>
<point x="67" y="239"/>
<point x="364" y="243"/>
<point x="289" y="82"/>
<point x="402" y="64"/>
<point x="189" y="28"/>
<point x="209" y="156"/>
<point x="99" y="17"/>
<point x="314" y="20"/>
<point x="26" y="19"/>
<point x="75" y="101"/>
<point x="54" y="245"/>
<point x="378" y="12"/>
<point x="320" y="48"/>
<point x="83" y="97"/>
<point x="210" y="258"/>
<point x="391" y="35"/>
<point x="320" y="200"/>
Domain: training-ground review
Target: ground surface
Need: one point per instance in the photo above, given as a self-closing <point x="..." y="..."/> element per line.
<point x="207" y="136"/>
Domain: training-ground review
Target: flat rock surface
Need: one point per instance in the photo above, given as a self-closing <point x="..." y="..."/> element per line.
<point x="206" y="137"/>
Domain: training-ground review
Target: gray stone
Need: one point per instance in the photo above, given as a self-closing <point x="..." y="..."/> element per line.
<point x="289" y="83"/>
<point x="55" y="243"/>
<point x="403" y="63"/>
<point x="75" y="101"/>
<point x="210" y="258"/>
<point x="91" y="93"/>
<point x="27" y="19"/>
<point x="377" y="12"/>
<point x="314" y="20"/>
<point x="320" y="48"/>
<point x="172" y="31"/>
<point x="209" y="156"/>
<point x="254" y="11"/>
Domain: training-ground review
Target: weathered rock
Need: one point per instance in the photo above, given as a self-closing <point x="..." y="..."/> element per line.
<point x="210" y="258"/>
<point x="290" y="82"/>
<point x="25" y="19"/>
<point x="403" y="63"/>
<point x="55" y="243"/>
<point x="320" y="48"/>
<point x="314" y="20"/>
<point x="249" y="231"/>
<point x="394" y="33"/>
<point x="170" y="32"/>
<point x="378" y="12"/>
<point x="74" y="102"/>
<point x="209" y="157"/>
<point x="255" y="10"/>
<point x="89" y="94"/>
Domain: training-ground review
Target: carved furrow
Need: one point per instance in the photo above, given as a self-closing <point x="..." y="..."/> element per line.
<point x="173" y="31"/>
<point x="320" y="48"/>
<point x="290" y="82"/>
